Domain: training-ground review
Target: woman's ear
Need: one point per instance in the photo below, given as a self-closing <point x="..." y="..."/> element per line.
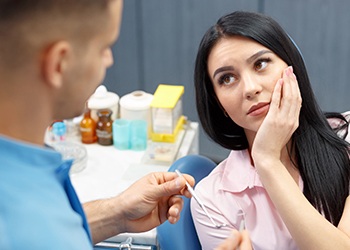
<point x="55" y="63"/>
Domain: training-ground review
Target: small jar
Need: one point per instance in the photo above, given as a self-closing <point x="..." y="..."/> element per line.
<point x="104" y="127"/>
<point x="88" y="128"/>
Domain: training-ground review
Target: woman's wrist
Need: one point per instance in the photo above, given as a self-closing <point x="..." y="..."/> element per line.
<point x="264" y="162"/>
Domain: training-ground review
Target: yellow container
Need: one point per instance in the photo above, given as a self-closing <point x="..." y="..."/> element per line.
<point x="166" y="113"/>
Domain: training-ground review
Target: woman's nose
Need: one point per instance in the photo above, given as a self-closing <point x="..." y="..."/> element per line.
<point x="252" y="87"/>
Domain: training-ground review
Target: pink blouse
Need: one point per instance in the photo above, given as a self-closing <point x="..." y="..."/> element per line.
<point x="234" y="188"/>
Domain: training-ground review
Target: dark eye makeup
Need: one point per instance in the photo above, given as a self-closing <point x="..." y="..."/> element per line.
<point x="259" y="64"/>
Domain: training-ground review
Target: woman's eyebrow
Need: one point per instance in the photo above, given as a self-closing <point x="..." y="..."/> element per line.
<point x="225" y="68"/>
<point x="249" y="60"/>
<point x="258" y="54"/>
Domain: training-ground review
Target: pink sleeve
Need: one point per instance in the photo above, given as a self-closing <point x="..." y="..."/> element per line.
<point x="209" y="236"/>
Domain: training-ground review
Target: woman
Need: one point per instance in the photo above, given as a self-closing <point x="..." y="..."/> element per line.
<point x="288" y="172"/>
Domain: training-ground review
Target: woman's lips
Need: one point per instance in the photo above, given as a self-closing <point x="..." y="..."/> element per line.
<point x="258" y="109"/>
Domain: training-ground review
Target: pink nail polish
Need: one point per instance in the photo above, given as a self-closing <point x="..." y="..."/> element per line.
<point x="287" y="71"/>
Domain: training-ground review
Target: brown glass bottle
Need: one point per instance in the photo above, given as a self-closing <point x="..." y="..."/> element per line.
<point x="104" y="127"/>
<point x="88" y="128"/>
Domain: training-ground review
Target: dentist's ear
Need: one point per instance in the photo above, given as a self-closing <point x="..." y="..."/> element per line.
<point x="54" y="63"/>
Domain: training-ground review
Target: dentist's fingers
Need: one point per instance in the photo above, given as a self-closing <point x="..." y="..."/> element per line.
<point x="175" y="206"/>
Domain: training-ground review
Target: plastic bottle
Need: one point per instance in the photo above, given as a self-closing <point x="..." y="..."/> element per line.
<point x="88" y="128"/>
<point x="59" y="131"/>
<point x="104" y="127"/>
<point x="137" y="106"/>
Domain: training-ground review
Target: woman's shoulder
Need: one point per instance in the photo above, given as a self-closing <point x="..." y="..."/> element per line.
<point x="214" y="176"/>
<point x="234" y="163"/>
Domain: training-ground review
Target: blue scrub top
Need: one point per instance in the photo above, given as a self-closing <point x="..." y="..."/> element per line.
<point x="39" y="208"/>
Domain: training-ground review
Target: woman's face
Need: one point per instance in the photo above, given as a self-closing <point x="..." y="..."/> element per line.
<point x="244" y="74"/>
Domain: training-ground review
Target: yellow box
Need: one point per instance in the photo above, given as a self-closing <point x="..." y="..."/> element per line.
<point x="166" y="113"/>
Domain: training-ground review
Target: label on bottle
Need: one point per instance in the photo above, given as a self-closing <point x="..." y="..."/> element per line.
<point x="103" y="134"/>
<point x="84" y="130"/>
<point x="104" y="137"/>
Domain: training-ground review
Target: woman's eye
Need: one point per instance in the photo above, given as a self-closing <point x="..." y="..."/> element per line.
<point x="261" y="64"/>
<point x="227" y="79"/>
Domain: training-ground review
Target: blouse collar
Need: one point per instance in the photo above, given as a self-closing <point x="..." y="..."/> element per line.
<point x="239" y="173"/>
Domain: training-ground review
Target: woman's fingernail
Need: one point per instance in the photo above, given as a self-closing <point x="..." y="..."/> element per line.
<point x="286" y="71"/>
<point x="289" y="71"/>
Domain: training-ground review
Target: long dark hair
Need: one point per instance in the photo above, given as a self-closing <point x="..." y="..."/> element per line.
<point x="321" y="155"/>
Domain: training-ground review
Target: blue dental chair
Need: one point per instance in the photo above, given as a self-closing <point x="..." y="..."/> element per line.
<point x="182" y="235"/>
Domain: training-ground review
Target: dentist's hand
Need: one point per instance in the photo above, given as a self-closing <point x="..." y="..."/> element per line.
<point x="152" y="200"/>
<point x="146" y="204"/>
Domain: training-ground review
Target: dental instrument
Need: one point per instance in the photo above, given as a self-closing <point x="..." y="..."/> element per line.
<point x="201" y="204"/>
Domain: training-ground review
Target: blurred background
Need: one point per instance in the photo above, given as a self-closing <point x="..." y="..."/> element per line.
<point x="159" y="41"/>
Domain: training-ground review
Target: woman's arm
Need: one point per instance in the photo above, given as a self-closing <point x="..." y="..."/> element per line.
<point x="344" y="223"/>
<point x="307" y="226"/>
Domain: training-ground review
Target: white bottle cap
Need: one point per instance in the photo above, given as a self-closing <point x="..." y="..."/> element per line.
<point x="103" y="99"/>
<point x="137" y="100"/>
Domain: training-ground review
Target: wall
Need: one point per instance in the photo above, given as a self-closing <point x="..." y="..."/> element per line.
<point x="159" y="40"/>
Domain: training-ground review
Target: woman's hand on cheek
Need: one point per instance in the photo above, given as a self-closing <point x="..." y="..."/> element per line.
<point x="282" y="119"/>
